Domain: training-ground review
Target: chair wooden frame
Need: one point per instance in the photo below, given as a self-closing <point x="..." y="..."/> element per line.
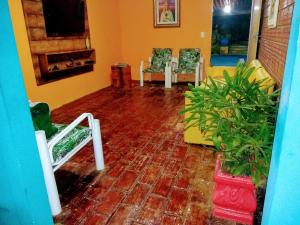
<point x="167" y="74"/>
<point x="198" y="77"/>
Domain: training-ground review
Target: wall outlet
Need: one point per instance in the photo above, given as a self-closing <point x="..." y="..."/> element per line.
<point x="202" y="34"/>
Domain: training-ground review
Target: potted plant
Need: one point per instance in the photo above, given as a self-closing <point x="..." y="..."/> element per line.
<point x="239" y="117"/>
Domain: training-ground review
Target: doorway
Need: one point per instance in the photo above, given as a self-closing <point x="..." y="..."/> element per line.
<point x="230" y="31"/>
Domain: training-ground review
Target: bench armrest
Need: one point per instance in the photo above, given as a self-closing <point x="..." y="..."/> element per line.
<point x="68" y="129"/>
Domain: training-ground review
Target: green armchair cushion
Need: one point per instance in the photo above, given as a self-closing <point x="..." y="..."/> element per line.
<point x="70" y="141"/>
<point x="42" y="119"/>
<point x="188" y="59"/>
<point x="160" y="57"/>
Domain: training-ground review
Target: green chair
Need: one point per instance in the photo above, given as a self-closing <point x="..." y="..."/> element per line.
<point x="57" y="143"/>
<point x="159" y="64"/>
<point x="189" y="66"/>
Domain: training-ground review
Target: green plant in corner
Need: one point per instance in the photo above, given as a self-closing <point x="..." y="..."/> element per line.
<point x="239" y="115"/>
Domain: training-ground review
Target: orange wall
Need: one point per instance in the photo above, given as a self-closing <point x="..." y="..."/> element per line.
<point x="104" y="25"/>
<point x="139" y="36"/>
<point x="121" y="30"/>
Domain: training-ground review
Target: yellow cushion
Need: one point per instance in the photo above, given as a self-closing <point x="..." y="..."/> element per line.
<point x="260" y="74"/>
<point x="255" y="63"/>
<point x="193" y="135"/>
<point x="217" y="71"/>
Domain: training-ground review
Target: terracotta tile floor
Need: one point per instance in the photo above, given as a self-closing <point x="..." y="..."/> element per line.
<point x="151" y="175"/>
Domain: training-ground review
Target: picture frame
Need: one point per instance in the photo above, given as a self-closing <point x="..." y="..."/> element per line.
<point x="273" y="13"/>
<point x="166" y="13"/>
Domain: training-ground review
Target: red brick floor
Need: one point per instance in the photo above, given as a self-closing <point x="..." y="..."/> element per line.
<point x="151" y="175"/>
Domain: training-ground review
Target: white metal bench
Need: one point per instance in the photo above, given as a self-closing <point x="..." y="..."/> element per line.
<point x="50" y="164"/>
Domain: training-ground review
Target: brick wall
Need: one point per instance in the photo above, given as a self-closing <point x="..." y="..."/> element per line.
<point x="274" y="41"/>
<point x="38" y="40"/>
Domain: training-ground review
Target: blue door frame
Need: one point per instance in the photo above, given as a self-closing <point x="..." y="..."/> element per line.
<point x="23" y="197"/>
<point x="282" y="204"/>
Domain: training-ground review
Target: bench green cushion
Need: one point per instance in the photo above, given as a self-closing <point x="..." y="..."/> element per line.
<point x="160" y="57"/>
<point x="70" y="141"/>
<point x="41" y="118"/>
<point x="188" y="59"/>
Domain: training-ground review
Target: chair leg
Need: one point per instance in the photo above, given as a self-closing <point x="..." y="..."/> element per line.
<point x="166" y="78"/>
<point x="170" y="77"/>
<point x="142" y="74"/>
<point x="176" y="78"/>
<point x="97" y="142"/>
<point x="142" y="79"/>
<point x="197" y="75"/>
<point x="168" y="81"/>
<point x="201" y="68"/>
<point x="48" y="173"/>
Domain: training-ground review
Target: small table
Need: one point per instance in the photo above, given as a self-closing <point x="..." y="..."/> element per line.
<point x="121" y="75"/>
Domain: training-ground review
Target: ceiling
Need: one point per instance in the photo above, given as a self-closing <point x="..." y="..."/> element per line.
<point x="236" y="5"/>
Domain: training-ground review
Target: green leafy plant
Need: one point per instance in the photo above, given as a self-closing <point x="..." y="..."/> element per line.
<point x="239" y="116"/>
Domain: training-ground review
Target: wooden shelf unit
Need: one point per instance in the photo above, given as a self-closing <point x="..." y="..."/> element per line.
<point x="58" y="64"/>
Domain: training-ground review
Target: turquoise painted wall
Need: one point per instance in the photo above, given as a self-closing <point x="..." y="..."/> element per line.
<point x="282" y="204"/>
<point x="23" y="197"/>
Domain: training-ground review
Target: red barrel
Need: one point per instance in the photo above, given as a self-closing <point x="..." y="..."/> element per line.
<point x="126" y="75"/>
<point x="116" y="77"/>
<point x="121" y="76"/>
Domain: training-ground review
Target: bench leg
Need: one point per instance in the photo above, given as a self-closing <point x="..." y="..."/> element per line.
<point x="48" y="173"/>
<point x="97" y="142"/>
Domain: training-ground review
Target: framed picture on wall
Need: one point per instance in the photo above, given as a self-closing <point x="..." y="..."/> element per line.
<point x="273" y="13"/>
<point x="166" y="13"/>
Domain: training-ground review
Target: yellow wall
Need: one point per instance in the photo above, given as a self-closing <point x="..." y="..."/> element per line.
<point x="139" y="36"/>
<point x="104" y="25"/>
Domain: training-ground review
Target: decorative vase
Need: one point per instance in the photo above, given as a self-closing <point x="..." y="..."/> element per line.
<point x="234" y="198"/>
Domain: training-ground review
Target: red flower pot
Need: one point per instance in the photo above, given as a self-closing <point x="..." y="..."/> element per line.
<point x="234" y="198"/>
